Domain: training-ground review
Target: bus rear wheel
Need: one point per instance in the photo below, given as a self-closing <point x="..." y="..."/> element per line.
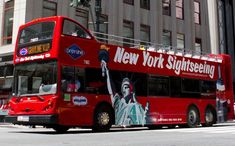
<point x="210" y="117"/>
<point x="103" y="119"/>
<point x="193" y="119"/>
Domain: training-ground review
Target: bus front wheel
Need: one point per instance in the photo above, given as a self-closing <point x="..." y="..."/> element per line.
<point x="60" y="128"/>
<point x="193" y="118"/>
<point x="103" y="118"/>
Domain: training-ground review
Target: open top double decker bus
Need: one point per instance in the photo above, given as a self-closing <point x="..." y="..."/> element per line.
<point x="65" y="78"/>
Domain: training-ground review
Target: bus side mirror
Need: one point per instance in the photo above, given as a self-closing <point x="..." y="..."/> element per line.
<point x="220" y="85"/>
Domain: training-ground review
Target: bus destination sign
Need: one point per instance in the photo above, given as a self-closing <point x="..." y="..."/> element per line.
<point x="35" y="49"/>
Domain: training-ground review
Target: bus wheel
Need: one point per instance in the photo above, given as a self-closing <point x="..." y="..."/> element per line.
<point x="193" y="117"/>
<point x="210" y="117"/>
<point x="60" y="128"/>
<point x="102" y="119"/>
<point x="153" y="127"/>
<point x="171" y="126"/>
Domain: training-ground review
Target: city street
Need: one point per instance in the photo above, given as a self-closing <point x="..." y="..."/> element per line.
<point x="219" y="135"/>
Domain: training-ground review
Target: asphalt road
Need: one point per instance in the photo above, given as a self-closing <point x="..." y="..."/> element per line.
<point x="218" y="135"/>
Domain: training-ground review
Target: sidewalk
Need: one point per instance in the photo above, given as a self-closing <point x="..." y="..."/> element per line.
<point x="9" y="125"/>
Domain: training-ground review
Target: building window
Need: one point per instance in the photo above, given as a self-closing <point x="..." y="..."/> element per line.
<point x="128" y="33"/>
<point x="166" y="7"/>
<point x="130" y="2"/>
<point x="8" y="22"/>
<point x="180" y="41"/>
<point x="166" y="38"/>
<point x="49" y="8"/>
<point x="180" y="9"/>
<point x="198" y="45"/>
<point x="197" y="19"/>
<point x="82" y="17"/>
<point x="144" y="34"/>
<point x="145" y="4"/>
<point x="104" y="23"/>
<point x="103" y="28"/>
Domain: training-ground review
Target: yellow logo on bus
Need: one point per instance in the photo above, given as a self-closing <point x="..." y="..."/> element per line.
<point x="38" y="48"/>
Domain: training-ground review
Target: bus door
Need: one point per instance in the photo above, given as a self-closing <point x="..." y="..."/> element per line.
<point x="225" y="98"/>
<point x="74" y="101"/>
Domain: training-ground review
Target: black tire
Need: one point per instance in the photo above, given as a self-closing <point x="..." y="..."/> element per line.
<point x="153" y="127"/>
<point x="103" y="119"/>
<point x="60" y="129"/>
<point x="193" y="118"/>
<point x="183" y="125"/>
<point x="171" y="126"/>
<point x="210" y="117"/>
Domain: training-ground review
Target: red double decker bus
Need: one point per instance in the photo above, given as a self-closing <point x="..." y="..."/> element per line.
<point x="65" y="78"/>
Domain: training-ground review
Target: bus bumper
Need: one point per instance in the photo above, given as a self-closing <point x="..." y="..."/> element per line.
<point x="32" y="119"/>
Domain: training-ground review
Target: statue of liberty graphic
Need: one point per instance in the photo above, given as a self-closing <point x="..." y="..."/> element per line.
<point x="127" y="109"/>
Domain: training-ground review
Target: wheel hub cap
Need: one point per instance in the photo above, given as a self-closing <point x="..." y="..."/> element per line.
<point x="103" y="118"/>
<point x="209" y="117"/>
<point x="192" y="117"/>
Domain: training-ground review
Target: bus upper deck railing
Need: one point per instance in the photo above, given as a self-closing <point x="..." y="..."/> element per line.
<point x="160" y="48"/>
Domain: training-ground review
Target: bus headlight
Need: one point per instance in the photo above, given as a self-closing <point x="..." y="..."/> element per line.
<point x="50" y="104"/>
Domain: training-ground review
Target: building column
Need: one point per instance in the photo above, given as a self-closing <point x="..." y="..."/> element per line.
<point x="213" y="27"/>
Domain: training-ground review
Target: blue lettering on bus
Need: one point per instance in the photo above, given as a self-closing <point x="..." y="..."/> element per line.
<point x="79" y="100"/>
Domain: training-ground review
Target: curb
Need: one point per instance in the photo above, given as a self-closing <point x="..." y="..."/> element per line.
<point x="9" y="125"/>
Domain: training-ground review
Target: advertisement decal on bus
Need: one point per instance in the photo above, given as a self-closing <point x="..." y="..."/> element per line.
<point x="176" y="64"/>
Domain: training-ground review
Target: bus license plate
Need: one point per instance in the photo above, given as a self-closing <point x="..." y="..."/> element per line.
<point x="23" y="118"/>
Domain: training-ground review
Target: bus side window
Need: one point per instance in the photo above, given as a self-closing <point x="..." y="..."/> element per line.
<point x="67" y="79"/>
<point x="158" y="86"/>
<point x="95" y="83"/>
<point x="72" y="79"/>
<point x="72" y="29"/>
<point x="79" y="79"/>
<point x="140" y="83"/>
<point x="191" y="88"/>
<point x="175" y="86"/>
<point x="208" y="87"/>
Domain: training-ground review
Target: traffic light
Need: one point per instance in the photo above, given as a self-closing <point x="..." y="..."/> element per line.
<point x="76" y="3"/>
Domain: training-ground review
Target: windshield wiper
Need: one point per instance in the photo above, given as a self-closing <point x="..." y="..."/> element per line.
<point x="18" y="95"/>
<point x="38" y="96"/>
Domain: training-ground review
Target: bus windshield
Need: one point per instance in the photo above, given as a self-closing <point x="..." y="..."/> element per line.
<point x="38" y="78"/>
<point x="37" y="32"/>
